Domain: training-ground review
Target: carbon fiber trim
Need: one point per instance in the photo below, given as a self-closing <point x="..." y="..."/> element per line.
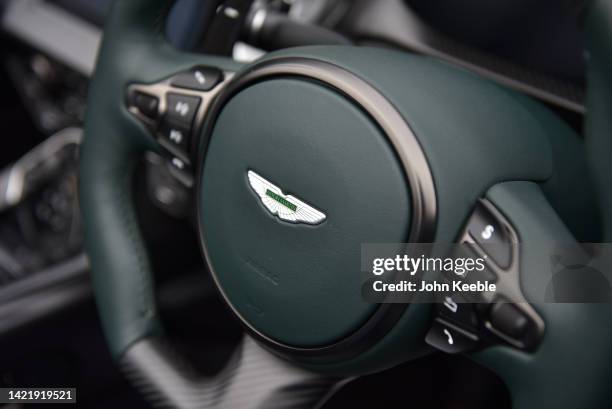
<point x="252" y="379"/>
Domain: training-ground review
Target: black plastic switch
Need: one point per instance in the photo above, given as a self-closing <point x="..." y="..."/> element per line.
<point x="491" y="235"/>
<point x="198" y="78"/>
<point x="181" y="170"/>
<point x="176" y="135"/>
<point x="455" y="308"/>
<point x="182" y="108"/>
<point x="509" y="320"/>
<point x="179" y="164"/>
<point x="146" y="104"/>
<point x="476" y="275"/>
<point x="450" y="339"/>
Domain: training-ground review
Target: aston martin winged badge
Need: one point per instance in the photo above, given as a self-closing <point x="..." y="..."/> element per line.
<point x="287" y="207"/>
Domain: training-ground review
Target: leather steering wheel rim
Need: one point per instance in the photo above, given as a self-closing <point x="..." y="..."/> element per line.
<point x="134" y="51"/>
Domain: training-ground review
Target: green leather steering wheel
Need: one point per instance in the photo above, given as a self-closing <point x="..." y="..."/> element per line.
<point x="383" y="147"/>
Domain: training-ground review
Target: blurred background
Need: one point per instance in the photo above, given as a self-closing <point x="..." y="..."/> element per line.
<point x="49" y="330"/>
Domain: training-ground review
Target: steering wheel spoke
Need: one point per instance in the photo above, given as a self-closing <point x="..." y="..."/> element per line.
<point x="252" y="379"/>
<point x="563" y="371"/>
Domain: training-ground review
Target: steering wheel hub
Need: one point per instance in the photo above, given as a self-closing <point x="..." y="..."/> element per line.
<point x="296" y="175"/>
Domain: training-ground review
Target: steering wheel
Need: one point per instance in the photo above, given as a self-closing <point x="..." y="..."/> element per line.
<point x="302" y="156"/>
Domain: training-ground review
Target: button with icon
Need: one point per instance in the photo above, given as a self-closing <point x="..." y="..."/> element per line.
<point x="490" y="234"/>
<point x="198" y="78"/>
<point x="450" y="339"/>
<point x="458" y="310"/>
<point x="175" y="135"/>
<point x="181" y="108"/>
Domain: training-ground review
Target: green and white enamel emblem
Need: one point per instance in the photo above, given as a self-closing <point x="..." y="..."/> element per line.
<point x="286" y="207"/>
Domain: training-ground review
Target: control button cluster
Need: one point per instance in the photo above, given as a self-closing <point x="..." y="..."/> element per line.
<point x="463" y="324"/>
<point x="173" y="110"/>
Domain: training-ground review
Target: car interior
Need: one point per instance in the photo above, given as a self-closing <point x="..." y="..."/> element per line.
<point x="189" y="190"/>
